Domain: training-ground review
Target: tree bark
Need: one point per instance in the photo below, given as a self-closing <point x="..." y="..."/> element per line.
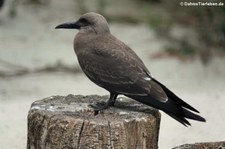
<point x="203" y="145"/>
<point x="60" y="122"/>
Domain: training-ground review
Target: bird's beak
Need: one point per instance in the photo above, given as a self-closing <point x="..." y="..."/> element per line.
<point x="71" y="25"/>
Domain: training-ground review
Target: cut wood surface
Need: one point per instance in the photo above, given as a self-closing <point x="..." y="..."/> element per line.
<point x="203" y="145"/>
<point x="67" y="122"/>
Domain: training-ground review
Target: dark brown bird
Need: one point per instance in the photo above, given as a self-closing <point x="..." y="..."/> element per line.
<point x="1" y="3"/>
<point x="111" y="64"/>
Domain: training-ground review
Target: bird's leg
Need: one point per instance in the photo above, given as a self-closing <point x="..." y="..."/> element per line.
<point x="102" y="106"/>
<point x="112" y="99"/>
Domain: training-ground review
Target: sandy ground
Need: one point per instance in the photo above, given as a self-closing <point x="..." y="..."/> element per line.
<point x="30" y="40"/>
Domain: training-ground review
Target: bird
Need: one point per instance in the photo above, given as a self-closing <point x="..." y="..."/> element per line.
<point x="114" y="66"/>
<point x="1" y="3"/>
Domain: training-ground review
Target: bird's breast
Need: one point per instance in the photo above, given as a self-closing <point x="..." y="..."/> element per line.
<point x="84" y="42"/>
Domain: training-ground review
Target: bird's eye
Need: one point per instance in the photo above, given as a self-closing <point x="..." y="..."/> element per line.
<point x="84" y="22"/>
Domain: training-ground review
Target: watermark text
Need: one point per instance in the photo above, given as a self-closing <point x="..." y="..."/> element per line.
<point x="202" y="4"/>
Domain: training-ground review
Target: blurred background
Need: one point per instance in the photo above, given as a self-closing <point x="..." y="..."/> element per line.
<point x="183" y="47"/>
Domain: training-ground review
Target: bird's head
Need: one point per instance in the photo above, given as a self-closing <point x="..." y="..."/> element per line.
<point x="88" y="23"/>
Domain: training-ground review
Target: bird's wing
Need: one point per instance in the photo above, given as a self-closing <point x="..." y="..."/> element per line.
<point x="120" y="70"/>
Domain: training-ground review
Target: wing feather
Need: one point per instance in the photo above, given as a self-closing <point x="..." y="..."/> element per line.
<point x="115" y="67"/>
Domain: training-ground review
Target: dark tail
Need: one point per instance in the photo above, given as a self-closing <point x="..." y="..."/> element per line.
<point x="174" y="107"/>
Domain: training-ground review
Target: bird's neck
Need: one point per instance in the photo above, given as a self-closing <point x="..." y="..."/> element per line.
<point x="84" y="40"/>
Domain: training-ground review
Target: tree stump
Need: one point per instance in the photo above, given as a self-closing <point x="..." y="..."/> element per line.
<point x="60" y="122"/>
<point x="203" y="145"/>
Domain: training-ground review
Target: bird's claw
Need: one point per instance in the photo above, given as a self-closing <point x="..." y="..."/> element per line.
<point x="99" y="107"/>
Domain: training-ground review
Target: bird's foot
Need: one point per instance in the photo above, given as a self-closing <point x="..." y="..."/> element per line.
<point x="99" y="107"/>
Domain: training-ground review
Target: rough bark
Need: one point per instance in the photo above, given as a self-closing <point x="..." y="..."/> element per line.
<point x="205" y="145"/>
<point x="60" y="122"/>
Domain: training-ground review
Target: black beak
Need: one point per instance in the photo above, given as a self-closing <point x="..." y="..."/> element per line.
<point x="71" y="25"/>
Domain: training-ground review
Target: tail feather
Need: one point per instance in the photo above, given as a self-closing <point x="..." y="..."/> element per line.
<point x="175" y="98"/>
<point x="171" y="107"/>
<point x="190" y="115"/>
<point x="181" y="120"/>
